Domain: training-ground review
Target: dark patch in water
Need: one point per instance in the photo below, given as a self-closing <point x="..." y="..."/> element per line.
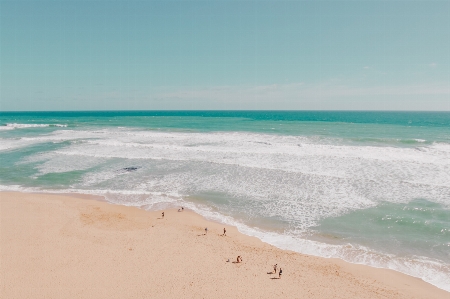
<point x="129" y="169"/>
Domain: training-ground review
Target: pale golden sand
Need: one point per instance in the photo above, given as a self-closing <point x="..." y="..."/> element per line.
<point x="55" y="246"/>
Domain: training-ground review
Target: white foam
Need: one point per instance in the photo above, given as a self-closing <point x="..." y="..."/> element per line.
<point x="23" y="126"/>
<point x="10" y="143"/>
<point x="441" y="147"/>
<point x="298" y="172"/>
<point x="55" y="137"/>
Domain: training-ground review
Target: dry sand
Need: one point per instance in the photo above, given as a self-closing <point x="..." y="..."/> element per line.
<point x="55" y="246"/>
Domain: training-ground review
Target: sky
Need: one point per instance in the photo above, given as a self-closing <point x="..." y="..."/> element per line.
<point x="224" y="55"/>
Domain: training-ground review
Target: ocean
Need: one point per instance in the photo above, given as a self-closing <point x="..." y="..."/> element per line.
<point x="370" y="188"/>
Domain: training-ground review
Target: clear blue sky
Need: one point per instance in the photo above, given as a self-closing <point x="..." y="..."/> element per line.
<point x="106" y="55"/>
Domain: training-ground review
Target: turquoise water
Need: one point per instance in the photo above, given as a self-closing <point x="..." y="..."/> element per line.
<point x="410" y="228"/>
<point x="363" y="126"/>
<point x="367" y="187"/>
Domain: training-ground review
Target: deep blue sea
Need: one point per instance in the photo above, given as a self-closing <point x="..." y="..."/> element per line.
<point x="368" y="187"/>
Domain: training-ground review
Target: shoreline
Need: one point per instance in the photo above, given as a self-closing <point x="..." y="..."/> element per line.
<point x="72" y="245"/>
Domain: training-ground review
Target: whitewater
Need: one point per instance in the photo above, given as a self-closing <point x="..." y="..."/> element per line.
<point x="369" y="188"/>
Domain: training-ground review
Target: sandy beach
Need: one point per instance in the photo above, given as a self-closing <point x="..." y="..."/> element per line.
<point x="60" y="246"/>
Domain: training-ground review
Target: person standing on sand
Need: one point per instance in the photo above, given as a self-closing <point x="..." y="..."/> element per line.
<point x="224" y="232"/>
<point x="279" y="274"/>
<point x="162" y="214"/>
<point x="206" y="230"/>
<point x="275" y="269"/>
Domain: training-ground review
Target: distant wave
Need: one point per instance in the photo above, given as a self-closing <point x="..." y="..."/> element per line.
<point x="11" y="126"/>
<point x="371" y="141"/>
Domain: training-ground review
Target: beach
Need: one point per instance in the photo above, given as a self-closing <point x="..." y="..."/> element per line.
<point x="72" y="246"/>
<point x="368" y="188"/>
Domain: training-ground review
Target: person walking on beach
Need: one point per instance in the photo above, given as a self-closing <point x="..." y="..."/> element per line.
<point x="275" y="269"/>
<point x="224" y="232"/>
<point x="162" y="214"/>
<point x="279" y="273"/>
<point x="206" y="230"/>
<point x="238" y="259"/>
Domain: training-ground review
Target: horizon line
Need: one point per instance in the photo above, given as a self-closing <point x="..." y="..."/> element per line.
<point x="218" y="110"/>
